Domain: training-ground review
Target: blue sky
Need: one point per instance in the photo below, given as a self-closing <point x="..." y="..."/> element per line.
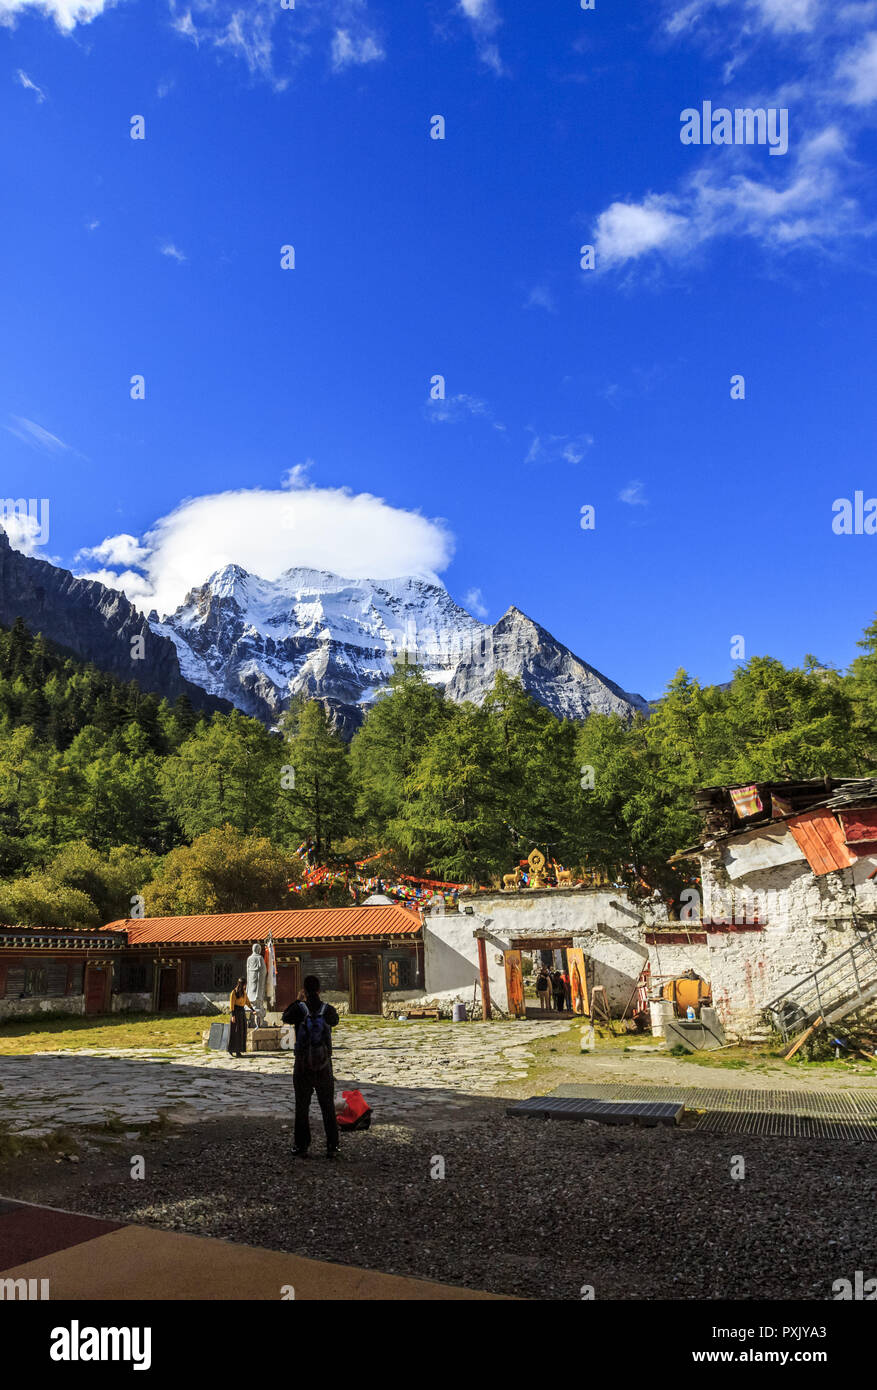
<point x="308" y="389"/>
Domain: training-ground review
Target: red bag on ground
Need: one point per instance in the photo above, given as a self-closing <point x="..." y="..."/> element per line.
<point x="354" y="1114"/>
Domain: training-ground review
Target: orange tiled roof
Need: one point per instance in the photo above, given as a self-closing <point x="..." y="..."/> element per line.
<point x="306" y="924"/>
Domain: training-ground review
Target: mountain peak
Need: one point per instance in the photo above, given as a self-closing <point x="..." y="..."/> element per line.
<point x="316" y="633"/>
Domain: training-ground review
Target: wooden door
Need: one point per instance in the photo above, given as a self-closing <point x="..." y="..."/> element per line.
<point x="95" y="990"/>
<point x="288" y="986"/>
<point x="167" y="989"/>
<point x="366" y="987"/>
<point x="577" y="970"/>
<point x="514" y="983"/>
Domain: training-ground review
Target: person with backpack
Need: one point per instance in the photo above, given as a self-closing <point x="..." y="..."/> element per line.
<point x="543" y="988"/>
<point x="313" y="1022"/>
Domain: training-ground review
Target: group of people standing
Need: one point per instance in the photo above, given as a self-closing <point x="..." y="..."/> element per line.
<point x="554" y="985"/>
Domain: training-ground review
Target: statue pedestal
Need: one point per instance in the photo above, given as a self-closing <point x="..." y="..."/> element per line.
<point x="264" y="1040"/>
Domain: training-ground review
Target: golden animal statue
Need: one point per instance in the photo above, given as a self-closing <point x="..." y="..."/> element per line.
<point x="536" y="860"/>
<point x="510" y="881"/>
<point x="562" y="875"/>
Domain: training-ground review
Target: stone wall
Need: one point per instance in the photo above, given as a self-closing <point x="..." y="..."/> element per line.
<point x="201" y="1002"/>
<point x="807" y="919"/>
<point x="131" y="1003"/>
<point x="46" y="1004"/>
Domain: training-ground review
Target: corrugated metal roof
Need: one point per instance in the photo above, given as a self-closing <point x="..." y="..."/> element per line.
<point x="860" y="830"/>
<point x="821" y="839"/>
<point x="306" y="924"/>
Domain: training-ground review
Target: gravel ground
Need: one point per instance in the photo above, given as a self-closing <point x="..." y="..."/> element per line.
<point x="532" y="1208"/>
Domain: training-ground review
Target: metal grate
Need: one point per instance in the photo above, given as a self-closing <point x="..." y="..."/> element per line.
<point x="724" y="1110"/>
<point x="610" y="1112"/>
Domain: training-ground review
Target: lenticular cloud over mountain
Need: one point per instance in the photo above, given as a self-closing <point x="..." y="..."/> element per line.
<point x="267" y="533"/>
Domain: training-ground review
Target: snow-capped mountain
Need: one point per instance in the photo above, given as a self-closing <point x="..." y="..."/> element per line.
<point x="258" y="643"/>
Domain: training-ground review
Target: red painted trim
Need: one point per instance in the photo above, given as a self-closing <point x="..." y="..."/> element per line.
<point x="681" y="938"/>
<point x="485" y="981"/>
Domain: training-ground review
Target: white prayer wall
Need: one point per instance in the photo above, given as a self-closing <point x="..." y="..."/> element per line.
<point x="808" y="919"/>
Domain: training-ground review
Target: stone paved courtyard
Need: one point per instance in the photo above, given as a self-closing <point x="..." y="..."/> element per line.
<point x="405" y="1071"/>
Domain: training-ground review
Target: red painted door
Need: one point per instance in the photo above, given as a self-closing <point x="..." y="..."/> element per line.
<point x="287" y="986"/>
<point x="366" y="987"/>
<point x="95" y="990"/>
<point x="167" y="989"/>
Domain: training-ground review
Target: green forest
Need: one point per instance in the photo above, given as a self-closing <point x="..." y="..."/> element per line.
<point x="111" y="796"/>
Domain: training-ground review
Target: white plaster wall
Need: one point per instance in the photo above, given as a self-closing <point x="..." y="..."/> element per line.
<point x="670" y="960"/>
<point x="808" y="920"/>
<point x="602" y="921"/>
<point x="450" y="953"/>
<point x="608" y="926"/>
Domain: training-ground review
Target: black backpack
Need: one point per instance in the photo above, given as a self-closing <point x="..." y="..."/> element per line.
<point x="312" y="1042"/>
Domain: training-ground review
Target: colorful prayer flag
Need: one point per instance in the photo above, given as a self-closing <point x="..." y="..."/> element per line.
<point x="746" y="801"/>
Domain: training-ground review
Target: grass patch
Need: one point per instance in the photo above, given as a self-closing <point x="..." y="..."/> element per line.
<point x="22" y="1036"/>
<point x="15" y="1145"/>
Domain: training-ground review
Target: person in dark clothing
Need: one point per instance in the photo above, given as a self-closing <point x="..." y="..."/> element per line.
<point x="237" y="1035"/>
<point x="313" y="1022"/>
<point x="558" y="991"/>
<point x="543" y="989"/>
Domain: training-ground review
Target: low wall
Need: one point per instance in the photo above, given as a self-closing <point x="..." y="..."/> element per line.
<point x="202" y="1002"/>
<point x="45" y="1004"/>
<point x="131" y="1003"/>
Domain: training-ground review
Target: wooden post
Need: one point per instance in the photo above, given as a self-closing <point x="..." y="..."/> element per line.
<point x="485" y="982"/>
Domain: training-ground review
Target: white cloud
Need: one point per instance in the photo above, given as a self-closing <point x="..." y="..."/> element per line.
<point x="123" y="549"/>
<point x="777" y="16"/>
<point x="23" y="79"/>
<point x="174" y="252"/>
<point x="272" y="42"/>
<point x="787" y="16"/>
<point x="633" y="494"/>
<point x="137" y="588"/>
<point x="474" y="601"/>
<point x="269" y="531"/>
<point x="349" y="51"/>
<point x="453" y="409"/>
<point x="807" y="204"/>
<point x="628" y="230"/>
<point x="558" y="448"/>
<point x="27" y="529"/>
<point x="297" y="475"/>
<point x="66" y="13"/>
<point x="815" y="195"/>
<point x="857" y="72"/>
<point x="484" y="20"/>
<point x="33" y="434"/>
<point x="540" y="297"/>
